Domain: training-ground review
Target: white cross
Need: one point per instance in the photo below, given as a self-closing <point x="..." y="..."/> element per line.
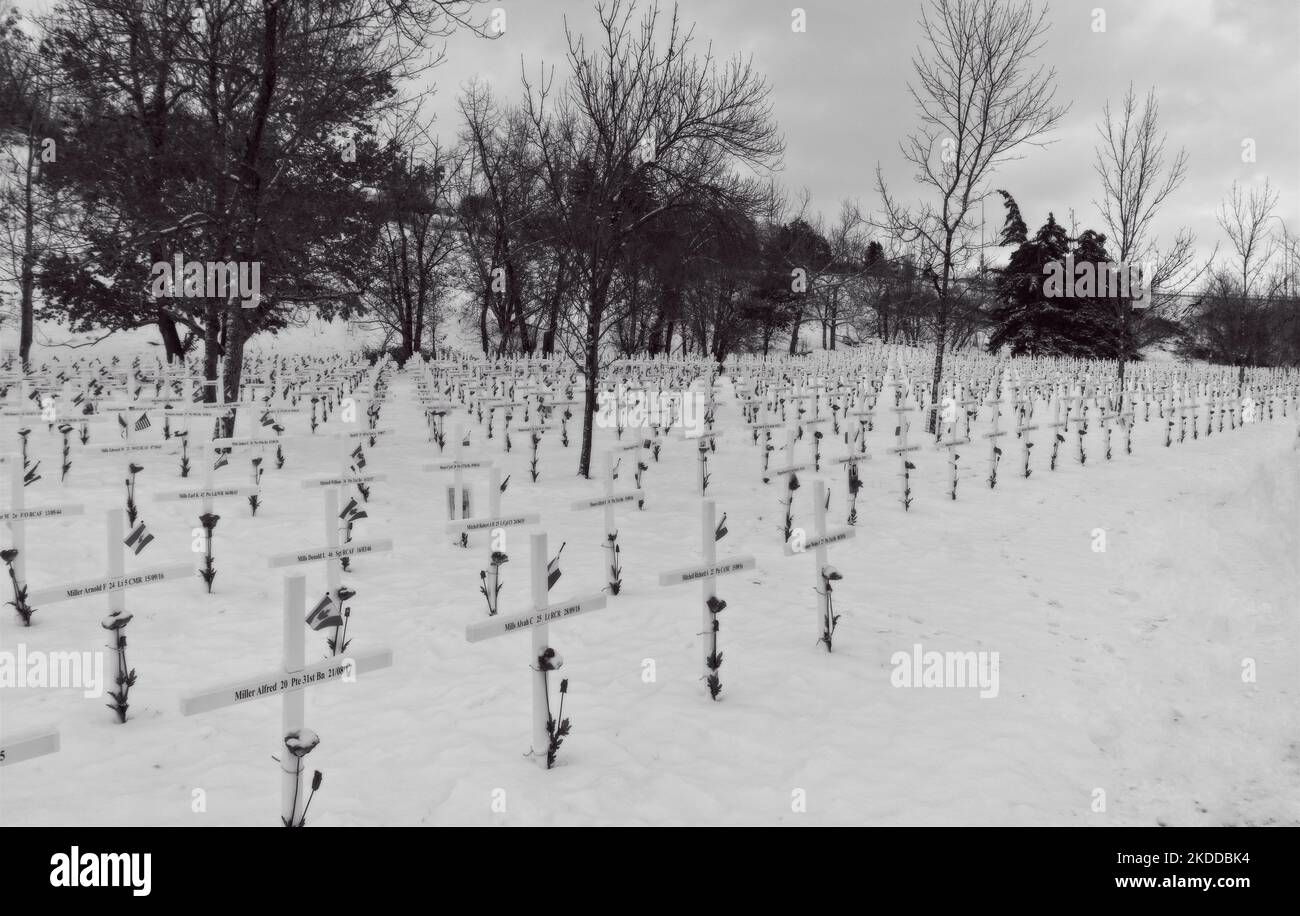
<point x="537" y="621"/>
<point x="112" y="586"/>
<point x="823" y="573"/>
<point x="607" y="502"/>
<point x="289" y="683"/>
<point x="332" y="553"/>
<point x="705" y="573"/>
<point x="458" y="466"/>
<point x="18" y="515"/>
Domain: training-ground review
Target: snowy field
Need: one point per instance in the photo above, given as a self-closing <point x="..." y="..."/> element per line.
<point x="1120" y="671"/>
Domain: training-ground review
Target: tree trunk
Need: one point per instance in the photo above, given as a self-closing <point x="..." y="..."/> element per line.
<point x="552" y="321"/>
<point x="794" y="334"/>
<point x="835" y="314"/>
<point x="591" y="365"/>
<point x="941" y="340"/>
<point x="211" y="349"/>
<point x="237" y="333"/>
<point x="171" y="338"/>
<point x="28" y="281"/>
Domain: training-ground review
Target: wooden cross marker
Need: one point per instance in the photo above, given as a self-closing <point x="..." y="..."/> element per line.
<point x="1056" y="426"/>
<point x="824" y="574"/>
<point x="1021" y="429"/>
<point x="493" y="523"/>
<point x="332" y="555"/>
<point x="289" y="683"/>
<point x="1106" y="419"/>
<point x="705" y="573"/>
<point x="458" y="466"/>
<point x="951" y="445"/>
<point x="995" y="451"/>
<point x="608" y="502"/>
<point x="790" y="450"/>
<point x="18" y="515"/>
<point x="901" y="449"/>
<point x="114" y="585"/>
<point x="1081" y="418"/>
<point x="537" y="620"/>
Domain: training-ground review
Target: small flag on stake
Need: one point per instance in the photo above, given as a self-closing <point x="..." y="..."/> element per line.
<point x="324" y="614"/>
<point x="139" y="538"/>
<point x="142" y="423"/>
<point x="553" y="570"/>
<point x="222" y="460"/>
<point x="721" y="531"/>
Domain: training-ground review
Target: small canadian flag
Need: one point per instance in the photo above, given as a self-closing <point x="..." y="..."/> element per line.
<point x="324" y="614"/>
<point x="139" y="538"/>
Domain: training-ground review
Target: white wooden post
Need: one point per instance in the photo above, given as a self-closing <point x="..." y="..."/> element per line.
<point x="17" y="515"/>
<point x="116" y="599"/>
<point x="333" y="567"/>
<point x="819" y="533"/>
<point x="611" y="557"/>
<point x="458" y="479"/>
<point x="294" y="702"/>
<point x="16" y="503"/>
<point x="701" y="462"/>
<point x="541" y="736"/>
<point x="290" y="684"/>
<point x="708" y="585"/>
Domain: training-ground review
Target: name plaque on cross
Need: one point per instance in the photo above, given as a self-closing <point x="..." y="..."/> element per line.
<point x="315" y="554"/>
<point x="611" y="500"/>
<point x="256" y="688"/>
<point x="110" y="584"/>
<point x="694" y="573"/>
<point x="505" y="521"/>
<point x="499" y="626"/>
<point x="19" y="515"/>
<point x="341" y="480"/>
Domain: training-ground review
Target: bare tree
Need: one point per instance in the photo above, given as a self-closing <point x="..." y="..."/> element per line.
<point x="30" y="212"/>
<point x="1243" y="215"/>
<point x="643" y="127"/>
<point x="1137" y="177"/>
<point x="413" y="250"/>
<point x="978" y="101"/>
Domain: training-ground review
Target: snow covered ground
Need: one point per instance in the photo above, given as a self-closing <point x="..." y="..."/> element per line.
<point x="1119" y="670"/>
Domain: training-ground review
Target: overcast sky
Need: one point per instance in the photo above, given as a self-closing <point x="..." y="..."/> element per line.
<point x="1223" y="70"/>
